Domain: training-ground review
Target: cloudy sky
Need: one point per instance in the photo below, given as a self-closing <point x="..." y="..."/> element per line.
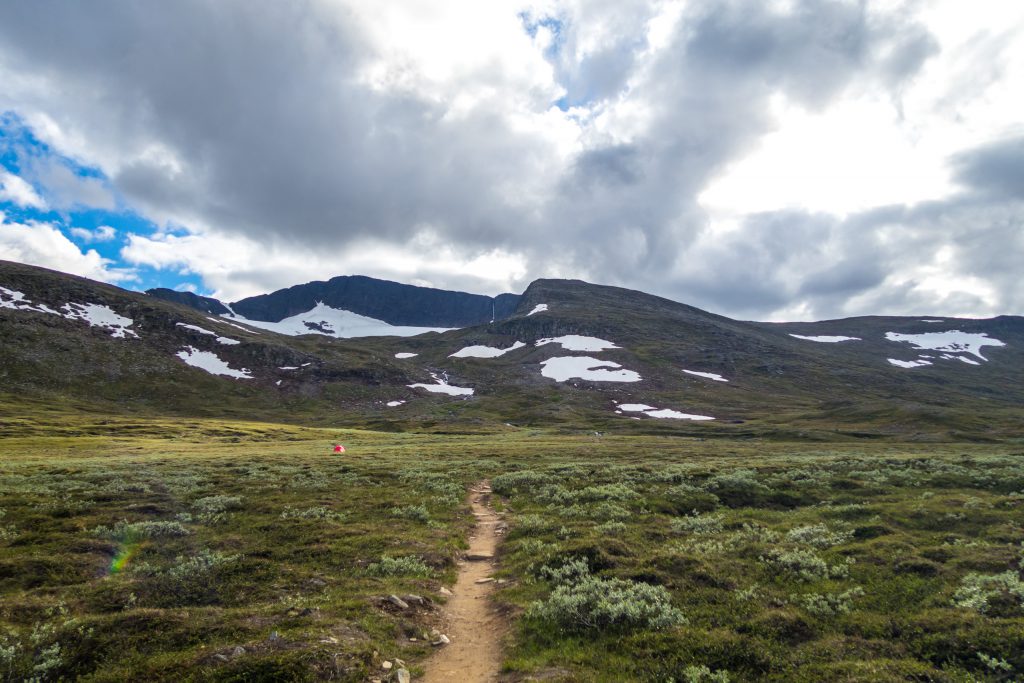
<point x="786" y="159"/>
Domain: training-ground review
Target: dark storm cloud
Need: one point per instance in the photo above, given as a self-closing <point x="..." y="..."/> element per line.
<point x="996" y="169"/>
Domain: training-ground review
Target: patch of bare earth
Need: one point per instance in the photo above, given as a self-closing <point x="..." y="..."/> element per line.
<point x="473" y="624"/>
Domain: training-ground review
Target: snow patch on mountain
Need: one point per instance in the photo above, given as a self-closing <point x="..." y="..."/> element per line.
<point x="564" y="368"/>
<point x="928" y="320"/>
<point x="662" y="413"/>
<point x="335" y="322"/>
<point x="211" y="363"/>
<point x="442" y="387"/>
<point x="404" y="355"/>
<point x="706" y="375"/>
<point x="575" y="342"/>
<point x="825" y="339"/>
<point x="227" y="341"/>
<point x="539" y="308"/>
<point x="485" y="351"/>
<point x="952" y="341"/>
<point x="237" y="327"/>
<point x="98" y="315"/>
<point x="12" y="298"/>
<point x="909" y="363"/>
<point x="394" y="404"/>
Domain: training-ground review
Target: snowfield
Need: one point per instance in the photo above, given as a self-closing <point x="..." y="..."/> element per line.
<point x="227" y="341"/>
<point x="406" y="355"/>
<point x="662" y="413"/>
<point x="98" y="315"/>
<point x="575" y="342"/>
<point x="12" y="298"/>
<point x="211" y="363"/>
<point x="442" y="387"/>
<point x="953" y="341"/>
<point x="485" y="351"/>
<point x="222" y="321"/>
<point x="909" y="363"/>
<point x="539" y="308"/>
<point x="335" y="322"/>
<point x="394" y="404"/>
<point x="706" y="375"/>
<point x="825" y="339"/>
<point x="564" y="368"/>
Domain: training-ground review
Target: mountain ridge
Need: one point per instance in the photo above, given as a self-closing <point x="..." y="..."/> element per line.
<point x="571" y="355"/>
<point x="394" y="303"/>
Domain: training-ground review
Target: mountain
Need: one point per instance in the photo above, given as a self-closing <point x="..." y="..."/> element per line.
<point x="570" y="355"/>
<point x="392" y="303"/>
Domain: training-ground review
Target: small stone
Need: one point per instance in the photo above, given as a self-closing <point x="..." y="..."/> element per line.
<point x="487" y="580"/>
<point x="274" y="636"/>
<point x="444" y="591"/>
<point x="386" y="665"/>
<point x="319" y="583"/>
<point x="441" y="640"/>
<point x="398" y="602"/>
<point x="221" y="658"/>
<point x="412" y="640"/>
<point x="479" y="557"/>
<point x="414" y="599"/>
<point x="238" y="651"/>
<point x="402" y="676"/>
<point x="501" y="582"/>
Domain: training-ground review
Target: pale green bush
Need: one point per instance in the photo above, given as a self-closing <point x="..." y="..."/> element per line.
<point x="128" y="531"/>
<point x="804" y="565"/>
<point x="828" y="604"/>
<point x="319" y="512"/>
<point x="417" y="513"/>
<point x="982" y="592"/>
<point x="581" y="603"/>
<point x="818" y="536"/>
<point x="399" y="566"/>
<point x="700" y="524"/>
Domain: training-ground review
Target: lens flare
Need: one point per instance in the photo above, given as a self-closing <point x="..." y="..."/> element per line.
<point x="124" y="555"/>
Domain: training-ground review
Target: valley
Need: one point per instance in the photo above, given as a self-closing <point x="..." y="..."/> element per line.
<point x="680" y="496"/>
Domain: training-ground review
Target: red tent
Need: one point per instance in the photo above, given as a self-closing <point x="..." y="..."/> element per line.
<point x="338" y="448"/>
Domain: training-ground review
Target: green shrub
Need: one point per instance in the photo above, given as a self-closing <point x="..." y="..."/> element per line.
<point x="133" y="531"/>
<point x="319" y="512"/>
<point x="994" y="594"/>
<point x="417" y="513"/>
<point x="581" y="602"/>
<point x="818" y="536"/>
<point x="593" y="604"/>
<point x="399" y="566"/>
<point x="803" y="565"/>
<point x="701" y="524"/>
<point x="828" y="604"/>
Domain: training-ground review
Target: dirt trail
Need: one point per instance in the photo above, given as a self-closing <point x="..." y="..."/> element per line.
<point x="474" y="627"/>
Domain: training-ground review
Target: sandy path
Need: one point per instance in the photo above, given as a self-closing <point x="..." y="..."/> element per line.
<point x="474" y="627"/>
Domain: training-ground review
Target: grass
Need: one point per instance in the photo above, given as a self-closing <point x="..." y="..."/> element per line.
<point x="155" y="549"/>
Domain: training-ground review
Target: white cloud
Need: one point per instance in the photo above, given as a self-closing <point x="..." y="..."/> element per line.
<point x="728" y="154"/>
<point x="42" y="244"/>
<point x="235" y="267"/>
<point x="14" y="189"/>
<point x="103" y="233"/>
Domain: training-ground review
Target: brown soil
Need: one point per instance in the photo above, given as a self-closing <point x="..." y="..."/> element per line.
<point x="474" y="626"/>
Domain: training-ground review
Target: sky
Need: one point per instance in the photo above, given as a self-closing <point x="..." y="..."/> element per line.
<point x="762" y="159"/>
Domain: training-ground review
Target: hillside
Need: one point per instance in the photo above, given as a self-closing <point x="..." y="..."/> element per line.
<point x="569" y="354"/>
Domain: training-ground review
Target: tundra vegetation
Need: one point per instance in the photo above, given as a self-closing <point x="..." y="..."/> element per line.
<point x="212" y="550"/>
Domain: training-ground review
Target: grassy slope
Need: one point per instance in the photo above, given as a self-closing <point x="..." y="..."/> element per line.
<point x="911" y="523"/>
